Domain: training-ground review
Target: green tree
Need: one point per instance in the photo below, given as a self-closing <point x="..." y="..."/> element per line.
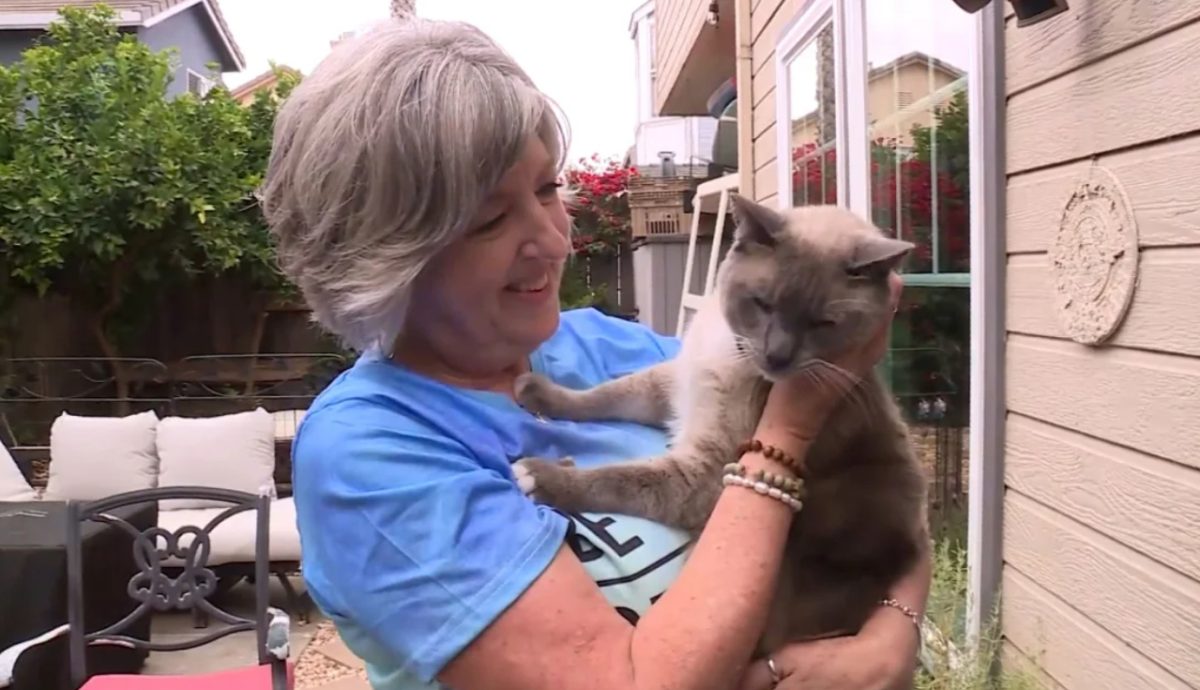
<point x="953" y="145"/>
<point x="110" y="191"/>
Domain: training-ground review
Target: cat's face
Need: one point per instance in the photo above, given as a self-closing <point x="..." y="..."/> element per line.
<point x="804" y="284"/>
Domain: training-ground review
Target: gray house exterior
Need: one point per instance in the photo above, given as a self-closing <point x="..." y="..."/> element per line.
<point x="196" y="29"/>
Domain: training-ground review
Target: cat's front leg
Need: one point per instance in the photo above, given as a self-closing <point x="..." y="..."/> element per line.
<point x="678" y="489"/>
<point x="643" y="397"/>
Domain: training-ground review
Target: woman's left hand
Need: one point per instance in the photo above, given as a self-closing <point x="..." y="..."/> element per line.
<point x="861" y="662"/>
<point x="882" y="656"/>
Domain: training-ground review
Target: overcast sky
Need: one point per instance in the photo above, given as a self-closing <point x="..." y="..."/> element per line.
<point x="578" y="51"/>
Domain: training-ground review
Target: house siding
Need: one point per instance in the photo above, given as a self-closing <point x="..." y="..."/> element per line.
<point x="677" y="25"/>
<point x="1101" y="574"/>
<point x="14" y="43"/>
<point x="193" y="37"/>
<point x="767" y="19"/>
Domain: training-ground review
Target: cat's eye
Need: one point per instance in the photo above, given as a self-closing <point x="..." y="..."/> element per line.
<point x="761" y="304"/>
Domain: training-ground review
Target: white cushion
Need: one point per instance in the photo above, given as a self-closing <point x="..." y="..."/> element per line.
<point x="234" y="451"/>
<point x="95" y="457"/>
<point x="13" y="486"/>
<point x="286" y="423"/>
<point x="232" y="541"/>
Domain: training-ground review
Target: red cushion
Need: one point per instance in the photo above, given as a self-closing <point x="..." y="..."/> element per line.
<point x="248" y="678"/>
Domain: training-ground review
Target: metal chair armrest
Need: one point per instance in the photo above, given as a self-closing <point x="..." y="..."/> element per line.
<point x="8" y="657"/>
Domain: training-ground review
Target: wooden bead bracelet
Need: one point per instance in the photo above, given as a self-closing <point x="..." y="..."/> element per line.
<point x="772" y="453"/>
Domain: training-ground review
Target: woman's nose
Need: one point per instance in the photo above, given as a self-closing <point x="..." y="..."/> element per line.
<point x="549" y="240"/>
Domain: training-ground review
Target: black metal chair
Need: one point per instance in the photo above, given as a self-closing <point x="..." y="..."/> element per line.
<point x="158" y="588"/>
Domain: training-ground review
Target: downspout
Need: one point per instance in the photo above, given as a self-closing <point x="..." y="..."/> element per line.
<point x="744" y="74"/>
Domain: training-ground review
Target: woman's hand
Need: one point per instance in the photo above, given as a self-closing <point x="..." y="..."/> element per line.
<point x="800" y="403"/>
<point x="882" y="656"/>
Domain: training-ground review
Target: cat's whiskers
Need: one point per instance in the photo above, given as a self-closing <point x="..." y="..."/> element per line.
<point x="845" y="383"/>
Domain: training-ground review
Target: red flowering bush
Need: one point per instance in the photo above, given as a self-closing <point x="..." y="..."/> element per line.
<point x="901" y="197"/>
<point x="601" y="207"/>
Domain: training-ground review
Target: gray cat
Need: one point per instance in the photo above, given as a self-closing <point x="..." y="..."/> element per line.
<point x="797" y="286"/>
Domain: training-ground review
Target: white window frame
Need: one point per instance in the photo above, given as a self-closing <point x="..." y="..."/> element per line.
<point x="987" y="269"/>
<point x="206" y="84"/>
<point x="796" y="36"/>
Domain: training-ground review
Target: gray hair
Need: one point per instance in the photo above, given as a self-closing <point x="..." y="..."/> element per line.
<point x="382" y="156"/>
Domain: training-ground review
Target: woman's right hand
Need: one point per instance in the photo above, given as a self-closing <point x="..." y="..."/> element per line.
<point x="798" y="405"/>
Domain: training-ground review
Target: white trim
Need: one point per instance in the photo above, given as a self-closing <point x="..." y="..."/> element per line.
<point x="643" y="11"/>
<point x="795" y="37"/>
<point x="985" y="486"/>
<point x="226" y="39"/>
<point x="208" y="82"/>
<point x="43" y="20"/>
<point x="171" y="12"/>
<point x="720" y="187"/>
<point x="857" y="148"/>
<point x="238" y="61"/>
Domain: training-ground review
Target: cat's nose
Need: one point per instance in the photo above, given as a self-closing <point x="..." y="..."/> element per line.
<point x="778" y="360"/>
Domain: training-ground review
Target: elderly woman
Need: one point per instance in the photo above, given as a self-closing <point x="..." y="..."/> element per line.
<point x="414" y="191"/>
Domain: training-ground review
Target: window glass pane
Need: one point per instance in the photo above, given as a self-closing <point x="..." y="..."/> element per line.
<point x="813" y="103"/>
<point x="918" y="53"/>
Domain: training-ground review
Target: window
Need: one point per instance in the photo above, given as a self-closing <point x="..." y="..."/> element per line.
<point x="808" y="107"/>
<point x="918" y="185"/>
<point x="871" y="114"/>
<point x="199" y="84"/>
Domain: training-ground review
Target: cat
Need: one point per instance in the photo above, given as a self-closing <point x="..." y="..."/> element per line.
<point x="797" y="287"/>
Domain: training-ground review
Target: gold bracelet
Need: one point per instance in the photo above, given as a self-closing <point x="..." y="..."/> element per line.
<point x="912" y="615"/>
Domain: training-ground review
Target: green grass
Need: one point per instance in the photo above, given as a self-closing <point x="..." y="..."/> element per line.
<point x="962" y="668"/>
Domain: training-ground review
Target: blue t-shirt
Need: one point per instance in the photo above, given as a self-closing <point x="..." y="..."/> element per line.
<point x="413" y="533"/>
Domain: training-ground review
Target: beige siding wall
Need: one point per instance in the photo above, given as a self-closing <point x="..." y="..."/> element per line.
<point x="767" y="19"/>
<point x="1101" y="578"/>
<point x="677" y="24"/>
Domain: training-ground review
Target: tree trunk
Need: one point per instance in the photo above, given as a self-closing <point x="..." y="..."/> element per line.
<point x="99" y="324"/>
<point x="113" y="354"/>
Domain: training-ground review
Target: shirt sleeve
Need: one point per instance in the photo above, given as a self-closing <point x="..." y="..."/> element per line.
<point x="619" y="346"/>
<point x="412" y="539"/>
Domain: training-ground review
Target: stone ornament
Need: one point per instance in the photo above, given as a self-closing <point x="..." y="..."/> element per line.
<point x="1094" y="258"/>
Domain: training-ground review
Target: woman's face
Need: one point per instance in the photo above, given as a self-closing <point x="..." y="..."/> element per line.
<point x="493" y="294"/>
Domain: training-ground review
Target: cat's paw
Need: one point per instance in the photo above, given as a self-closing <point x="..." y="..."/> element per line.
<point x="543" y="480"/>
<point x="539" y="394"/>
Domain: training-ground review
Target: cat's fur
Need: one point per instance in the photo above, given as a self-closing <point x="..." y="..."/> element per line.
<point x="798" y="287"/>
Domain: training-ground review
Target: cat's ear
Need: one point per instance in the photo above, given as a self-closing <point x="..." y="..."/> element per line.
<point x="876" y="256"/>
<point x="756" y="223"/>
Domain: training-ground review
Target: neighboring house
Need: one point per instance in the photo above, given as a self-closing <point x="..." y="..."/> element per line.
<point x="194" y="28"/>
<point x="246" y="93"/>
<point x="684" y="141"/>
<point x="1076" y="187"/>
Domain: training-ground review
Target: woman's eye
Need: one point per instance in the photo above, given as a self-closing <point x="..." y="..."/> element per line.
<point x="761" y="304"/>
<point x="824" y="323"/>
<point x="488" y="226"/>
<point x="549" y="191"/>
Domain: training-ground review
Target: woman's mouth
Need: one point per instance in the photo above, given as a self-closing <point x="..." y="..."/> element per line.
<point x="532" y="286"/>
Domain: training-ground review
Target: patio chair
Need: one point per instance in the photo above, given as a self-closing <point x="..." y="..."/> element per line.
<point x="156" y="591"/>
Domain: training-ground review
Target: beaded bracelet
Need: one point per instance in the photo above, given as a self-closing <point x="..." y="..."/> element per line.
<point x="911" y="614"/>
<point x="772" y="453"/>
<point x="766" y="484"/>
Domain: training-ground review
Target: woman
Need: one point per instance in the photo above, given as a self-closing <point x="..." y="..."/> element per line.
<point x="414" y="192"/>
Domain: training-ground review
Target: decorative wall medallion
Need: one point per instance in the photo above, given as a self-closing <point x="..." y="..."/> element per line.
<point x="1094" y="258"/>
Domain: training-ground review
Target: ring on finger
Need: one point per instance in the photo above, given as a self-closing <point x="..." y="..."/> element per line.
<point x="775" y="677"/>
